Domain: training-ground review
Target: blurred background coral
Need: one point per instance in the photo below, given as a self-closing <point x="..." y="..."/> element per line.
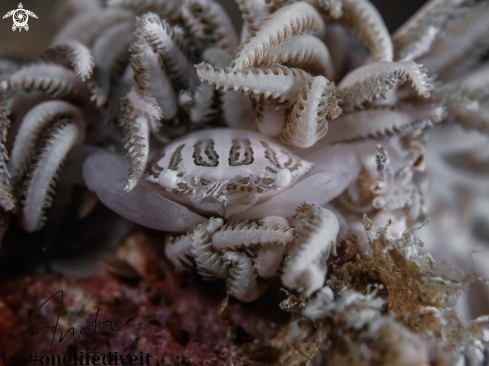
<point x="29" y="45"/>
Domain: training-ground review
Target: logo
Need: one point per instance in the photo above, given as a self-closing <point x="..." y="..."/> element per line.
<point x="20" y="17"/>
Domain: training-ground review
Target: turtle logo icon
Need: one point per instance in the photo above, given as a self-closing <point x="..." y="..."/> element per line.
<point x="20" y="17"/>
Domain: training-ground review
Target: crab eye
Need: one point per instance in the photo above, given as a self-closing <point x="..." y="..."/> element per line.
<point x="169" y="179"/>
<point x="283" y="178"/>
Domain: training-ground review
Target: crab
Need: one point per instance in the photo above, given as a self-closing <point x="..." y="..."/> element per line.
<point x="234" y="192"/>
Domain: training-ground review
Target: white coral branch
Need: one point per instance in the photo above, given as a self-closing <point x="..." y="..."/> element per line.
<point x="291" y="20"/>
<point x="316" y="232"/>
<point x="371" y="81"/>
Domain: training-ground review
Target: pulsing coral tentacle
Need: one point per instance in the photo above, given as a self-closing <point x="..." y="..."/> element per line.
<point x="136" y="121"/>
<point x="151" y="80"/>
<point x="363" y="18"/>
<point x="7" y="200"/>
<point x="269" y="257"/>
<point x="415" y="37"/>
<point x="73" y="54"/>
<point x="462" y="45"/>
<point x="86" y="27"/>
<point x="254" y="13"/>
<point x="372" y="81"/>
<point x="179" y="251"/>
<point x="111" y="54"/>
<point x="316" y="232"/>
<point x="40" y="182"/>
<point x="169" y="9"/>
<point x="217" y="29"/>
<point x="243" y="282"/>
<point x="31" y="130"/>
<point x="111" y="47"/>
<point x="462" y="107"/>
<point x="334" y="8"/>
<point x="209" y="262"/>
<point x="291" y="20"/>
<point x="377" y="124"/>
<point x="49" y="78"/>
<point x="307" y="123"/>
<point x="269" y="120"/>
<point x="203" y="95"/>
<point x="305" y="51"/>
<point x="280" y="85"/>
<point x="475" y="81"/>
<point x="236" y="234"/>
<point x="474" y="162"/>
<point x="237" y="109"/>
<point x="169" y="45"/>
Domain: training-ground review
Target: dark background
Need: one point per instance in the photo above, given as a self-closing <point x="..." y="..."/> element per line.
<point x="34" y="41"/>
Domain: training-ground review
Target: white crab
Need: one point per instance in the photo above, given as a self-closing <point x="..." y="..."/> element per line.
<point x="254" y="185"/>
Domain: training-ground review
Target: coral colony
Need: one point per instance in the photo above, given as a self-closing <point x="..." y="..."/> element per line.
<point x="310" y="148"/>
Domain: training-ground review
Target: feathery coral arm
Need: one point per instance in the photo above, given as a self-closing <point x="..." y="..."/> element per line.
<point x="7" y="200"/>
<point x="373" y="80"/>
<point x="462" y="106"/>
<point x="307" y="123"/>
<point x="291" y="20"/>
<point x="375" y="124"/>
<point x="243" y="282"/>
<point x="254" y="13"/>
<point x="316" y="232"/>
<point x="73" y="54"/>
<point x="151" y="80"/>
<point x="169" y="45"/>
<point x="111" y="54"/>
<point x="86" y="27"/>
<point x="169" y="9"/>
<point x="279" y="85"/>
<point x="209" y="262"/>
<point x="363" y="18"/>
<point x="334" y="8"/>
<point x="51" y="79"/>
<point x="179" y="251"/>
<point x="111" y="47"/>
<point x="218" y="28"/>
<point x="269" y="120"/>
<point x="269" y="257"/>
<point x="237" y="109"/>
<point x="41" y="180"/>
<point x="476" y="79"/>
<point x="135" y="123"/>
<point x="462" y="44"/>
<point x="306" y="52"/>
<point x="234" y="235"/>
<point x="415" y="37"/>
<point x="31" y="129"/>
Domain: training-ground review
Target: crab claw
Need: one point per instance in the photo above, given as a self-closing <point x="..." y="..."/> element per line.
<point x="105" y="174"/>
